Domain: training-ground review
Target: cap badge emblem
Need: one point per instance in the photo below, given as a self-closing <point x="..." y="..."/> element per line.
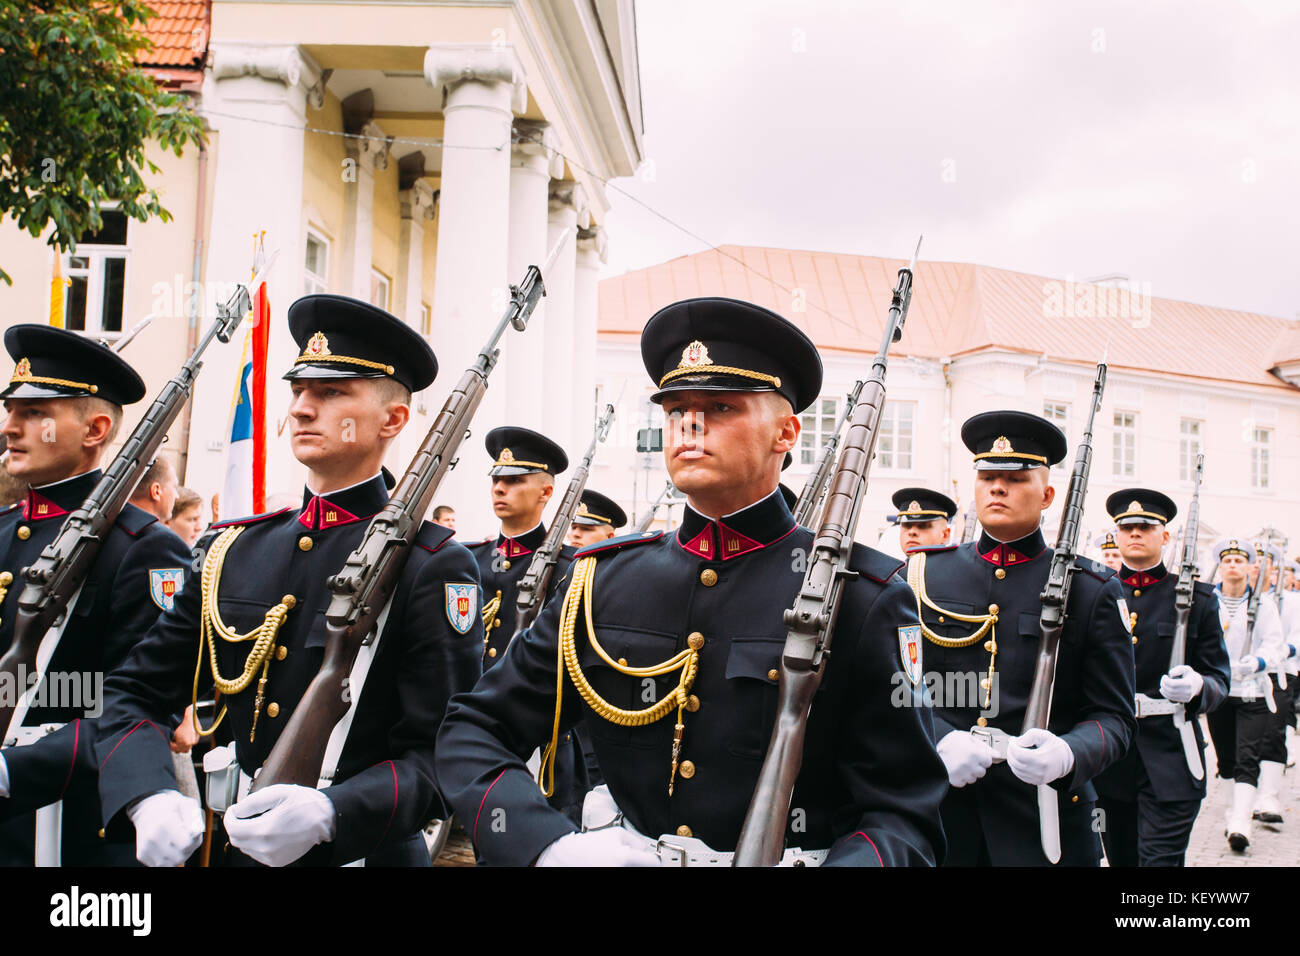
<point x="506" y="455"/>
<point x="318" y="345"/>
<point x="1135" y="506"/>
<point x="1110" y="540"/>
<point x="1002" y="445"/>
<point x="582" y="510"/>
<point x="1232" y="543"/>
<point x="694" y="355"/>
<point x="23" y="369"/>
<point x="914" y="506"/>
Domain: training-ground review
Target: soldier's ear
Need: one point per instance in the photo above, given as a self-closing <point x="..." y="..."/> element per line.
<point x="398" y="414"/>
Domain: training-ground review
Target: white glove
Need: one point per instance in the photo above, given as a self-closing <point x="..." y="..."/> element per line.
<point x="1245" y="667"/>
<point x="4" y="777"/>
<point x="965" y="757"/>
<point x="612" y="846"/>
<point x="168" y="828"/>
<point x="1039" y="756"/>
<point x="277" y="825"/>
<point x="1181" y="684"/>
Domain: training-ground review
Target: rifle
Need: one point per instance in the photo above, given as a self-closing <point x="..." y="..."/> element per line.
<point x="811" y="621"/>
<point x="531" y="591"/>
<point x="815" y="488"/>
<point x="1051" y="619"/>
<point x="654" y="508"/>
<point x="1182" y="613"/>
<point x="55" y="580"/>
<point x="970" y="525"/>
<point x="1252" y="612"/>
<point x="365" y="585"/>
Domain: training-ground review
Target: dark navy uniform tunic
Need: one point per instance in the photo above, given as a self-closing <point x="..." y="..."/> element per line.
<point x="384" y="789"/>
<point x="135" y="575"/>
<point x="995" y="820"/>
<point x="1154" y="772"/>
<point x="871" y="781"/>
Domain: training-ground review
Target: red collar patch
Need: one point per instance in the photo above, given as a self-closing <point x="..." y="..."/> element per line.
<point x="38" y="508"/>
<point x="321" y="514"/>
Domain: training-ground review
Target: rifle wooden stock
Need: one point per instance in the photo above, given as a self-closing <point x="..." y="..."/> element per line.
<point x="536" y="582"/>
<point x="362" y="589"/>
<point x="811" y="621"/>
<point x="56" y="576"/>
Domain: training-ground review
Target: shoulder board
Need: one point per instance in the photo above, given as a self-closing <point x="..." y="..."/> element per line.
<point x="568" y="551"/>
<point x="1094" y="568"/>
<point x="8" y="508"/>
<point x="936" y="548"/>
<point x="432" y="536"/>
<point x="250" y="520"/>
<point x="1203" y="589"/>
<point x="878" y="566"/>
<point x="133" y="520"/>
<point x="614" y="544"/>
<point x="472" y="545"/>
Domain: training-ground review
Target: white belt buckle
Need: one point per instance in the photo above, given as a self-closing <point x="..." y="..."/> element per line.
<point x="661" y="844"/>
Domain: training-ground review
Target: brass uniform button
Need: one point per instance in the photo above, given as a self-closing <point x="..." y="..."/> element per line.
<point x="1135" y="640"/>
<point x="1075" y="798"/>
<point x="101" y="834"/>
<point x="305" y="543"/>
<point x="281" y="652"/>
<point x="687" y="769"/>
<point x="1137" y="592"/>
<point x="692" y="703"/>
<point x="695" y="640"/>
<point x="708" y="577"/>
<point x="289" y="601"/>
<point x="684" y="831"/>
<point x="24" y="532"/>
<point x="492" y="652"/>
<point x="505" y="565"/>
<point x="773" y="674"/>
<point x="273" y="709"/>
<point x="1000" y="573"/>
<point x="993" y="609"/>
<point x="990" y="646"/>
<point x="940" y="618"/>
<point x="982" y="722"/>
<point x="622" y="662"/>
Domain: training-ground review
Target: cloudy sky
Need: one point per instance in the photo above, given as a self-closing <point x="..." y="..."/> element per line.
<point x="1156" y="140"/>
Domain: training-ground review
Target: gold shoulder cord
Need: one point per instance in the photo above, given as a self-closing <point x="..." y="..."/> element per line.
<point x="6" y="579"/>
<point x="263" y="637"/>
<point x="986" y="622"/>
<point x="687" y="661"/>
<point x="490" y="610"/>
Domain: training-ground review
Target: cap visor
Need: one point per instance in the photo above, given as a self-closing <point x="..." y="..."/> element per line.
<point x="308" y="370"/>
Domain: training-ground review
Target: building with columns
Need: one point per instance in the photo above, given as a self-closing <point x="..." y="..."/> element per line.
<point x="416" y="155"/>
<point x="1183" y="379"/>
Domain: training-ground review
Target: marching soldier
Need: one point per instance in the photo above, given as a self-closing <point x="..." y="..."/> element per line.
<point x="1273" y="758"/>
<point x="668" y="648"/>
<point x="1149" y="796"/>
<point x="924" y="518"/>
<point x="979" y="608"/>
<point x="598" y="519"/>
<point x="1240" y="728"/>
<point x="64" y="406"/>
<point x="254" y="604"/>
<point x="1109" y="547"/>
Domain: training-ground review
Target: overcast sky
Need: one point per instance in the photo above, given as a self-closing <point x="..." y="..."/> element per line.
<point x="1158" y="140"/>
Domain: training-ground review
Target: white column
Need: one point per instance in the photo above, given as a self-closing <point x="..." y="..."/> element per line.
<point x="592" y="252"/>
<point x="482" y="86"/>
<point x="568" y="210"/>
<point x="364" y="157"/>
<point x="417" y="209"/>
<point x="257" y="95"/>
<point x="531" y="167"/>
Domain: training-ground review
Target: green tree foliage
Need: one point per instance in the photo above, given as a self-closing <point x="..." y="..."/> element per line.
<point x="76" y="114"/>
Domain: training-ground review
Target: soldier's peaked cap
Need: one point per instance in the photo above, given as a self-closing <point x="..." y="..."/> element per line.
<point x="596" y="509"/>
<point x="716" y="344"/>
<point x="1010" y="441"/>
<point x="1140" y="506"/>
<point x="917" y="505"/>
<point x="339" y="337"/>
<point x="522" y="451"/>
<point x="51" y="362"/>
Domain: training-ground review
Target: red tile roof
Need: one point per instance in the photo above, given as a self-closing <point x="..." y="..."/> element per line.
<point x="180" y="36"/>
<point x="959" y="308"/>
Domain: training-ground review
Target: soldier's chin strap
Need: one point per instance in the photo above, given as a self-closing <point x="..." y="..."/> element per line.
<point x="987" y="622"/>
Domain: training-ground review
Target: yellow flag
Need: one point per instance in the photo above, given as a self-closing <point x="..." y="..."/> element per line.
<point x="57" y="285"/>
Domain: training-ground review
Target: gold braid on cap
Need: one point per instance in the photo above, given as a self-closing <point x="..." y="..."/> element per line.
<point x="719" y="370"/>
<point x="584" y="513"/>
<point x="23" y="374"/>
<point x="318" y="350"/>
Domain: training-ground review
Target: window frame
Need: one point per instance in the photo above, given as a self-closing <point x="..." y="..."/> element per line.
<point x="97" y="254"/>
<point x="893" y="408"/>
<point x="1118" y="432"/>
<point x="314" y="283"/>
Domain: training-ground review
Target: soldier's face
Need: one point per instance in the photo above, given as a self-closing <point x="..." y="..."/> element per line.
<point x="718" y="443"/>
<point x="333" y="420"/>
<point x="47" y="438"/>
<point x="1141" y="544"/>
<point x="581" y="535"/>
<point x="923" y="534"/>
<point x="1233" y="569"/>
<point x="1010" y="503"/>
<point x="1112" y="558"/>
<point x="519" y="497"/>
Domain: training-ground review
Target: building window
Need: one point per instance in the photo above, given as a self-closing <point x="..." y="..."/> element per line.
<point x="1189" y="446"/>
<point x="1124" y="460"/>
<point x="379" y="289"/>
<point x="894" y="446"/>
<point x="818" y="424"/>
<point x="96" y="270"/>
<point x="315" y="271"/>
<point x="1260" y="459"/>
<point x="1058" y="413"/>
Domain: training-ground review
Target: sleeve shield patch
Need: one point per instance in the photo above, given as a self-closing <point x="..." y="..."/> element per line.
<point x="909" y="651"/>
<point x="462" y="606"/>
<point x="1124" y="615"/>
<point x="164" y="585"/>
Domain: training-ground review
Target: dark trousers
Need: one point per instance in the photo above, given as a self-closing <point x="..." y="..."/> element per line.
<point x="1240" y="731"/>
<point x="1147" y="831"/>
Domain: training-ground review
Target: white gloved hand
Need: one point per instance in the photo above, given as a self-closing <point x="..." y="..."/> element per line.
<point x="612" y="846"/>
<point x="1245" y="667"/>
<point x="1181" y="684"/>
<point x="168" y="828"/>
<point x="4" y="777"/>
<point x="277" y="825"/>
<point x="965" y="757"/>
<point x="1039" y="756"/>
